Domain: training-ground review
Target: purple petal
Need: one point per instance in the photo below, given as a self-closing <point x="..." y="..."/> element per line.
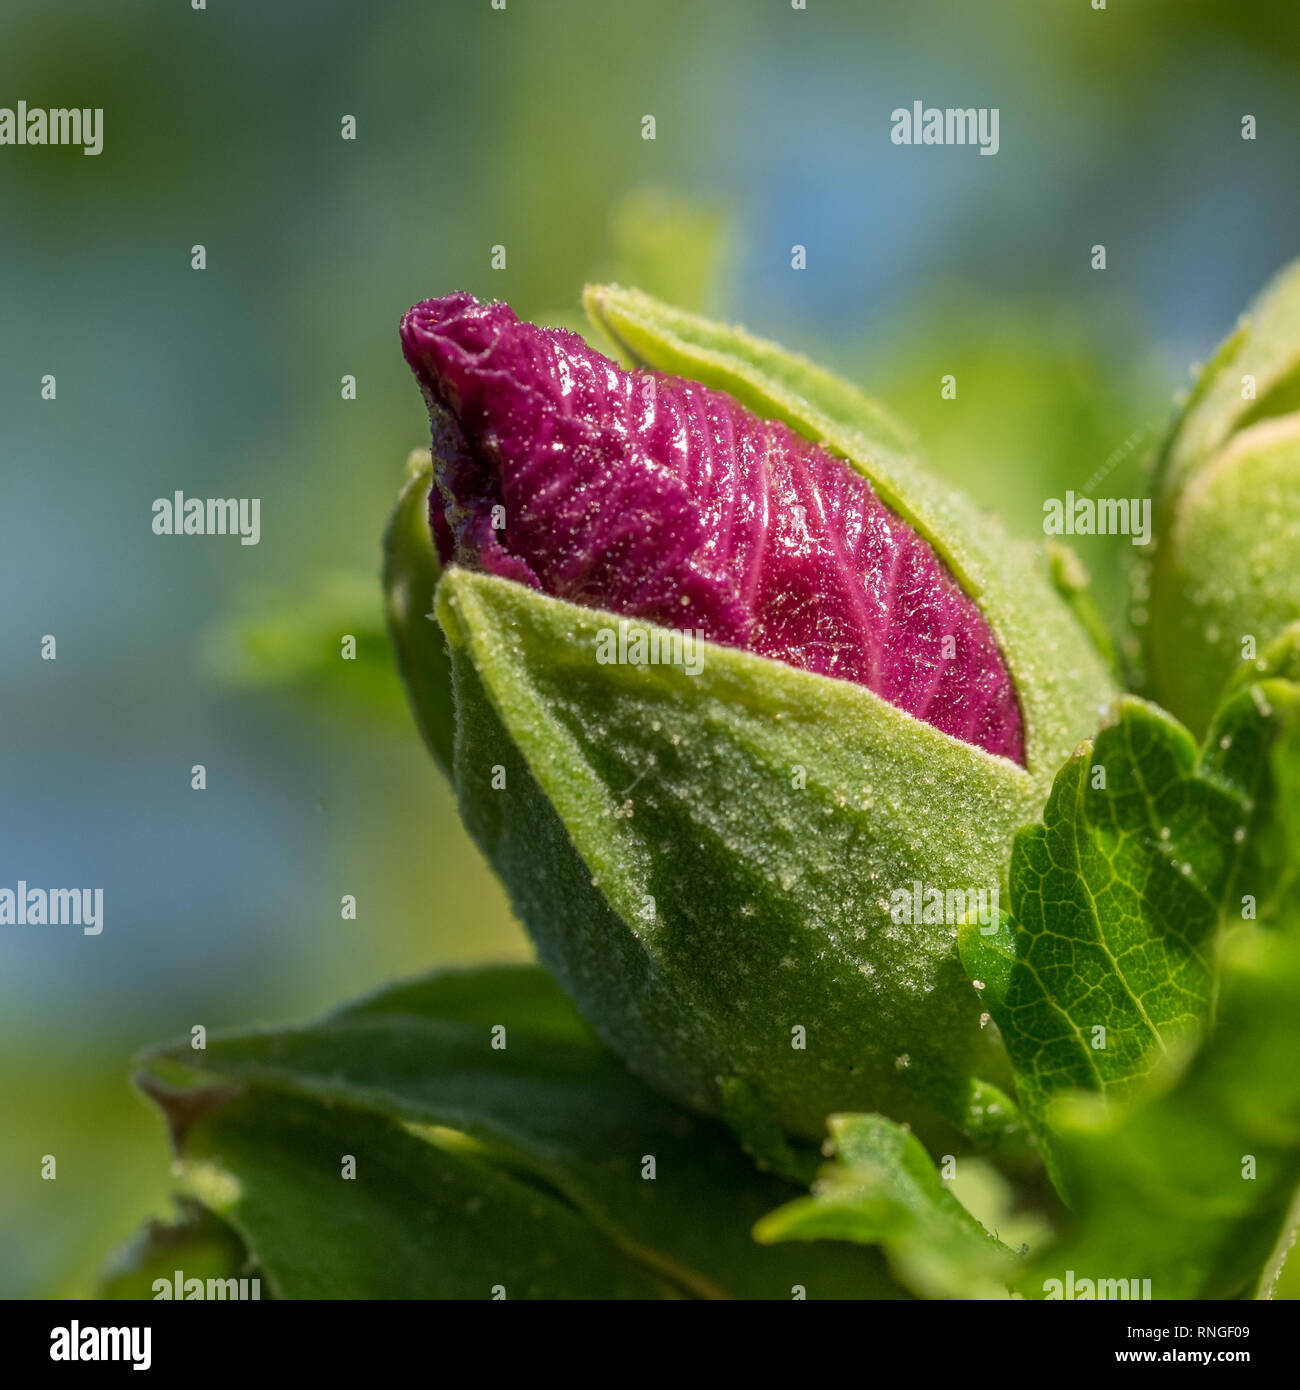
<point x="664" y="500"/>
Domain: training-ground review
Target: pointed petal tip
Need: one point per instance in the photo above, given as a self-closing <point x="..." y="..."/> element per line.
<point x="433" y="330"/>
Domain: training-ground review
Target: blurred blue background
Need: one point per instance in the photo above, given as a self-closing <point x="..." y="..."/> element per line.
<point x="478" y="127"/>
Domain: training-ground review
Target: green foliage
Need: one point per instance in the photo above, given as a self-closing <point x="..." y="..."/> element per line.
<point x="197" y="1243"/>
<point x="1177" y="1143"/>
<point x="423" y="1217"/>
<point x="1192" y="1185"/>
<point x="883" y="1189"/>
<point x="1105" y="966"/>
<point x="495" y="1143"/>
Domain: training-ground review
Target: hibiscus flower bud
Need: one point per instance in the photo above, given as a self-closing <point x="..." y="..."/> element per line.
<point x="742" y="705"/>
<point x="1223" y="579"/>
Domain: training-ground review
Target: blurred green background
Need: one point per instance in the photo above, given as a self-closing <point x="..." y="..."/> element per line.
<point x="478" y="127"/>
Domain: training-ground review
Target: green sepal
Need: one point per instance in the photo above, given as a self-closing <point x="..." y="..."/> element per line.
<point x="1072" y="582"/>
<point x="411" y="574"/>
<point x="706" y="861"/>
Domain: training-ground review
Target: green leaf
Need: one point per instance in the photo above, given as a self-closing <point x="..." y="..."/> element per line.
<point x="547" y="1104"/>
<point x="423" y="1217"/>
<point x="197" y="1244"/>
<point x="1192" y="1185"/>
<point x="883" y="1189"/>
<point x="526" y="997"/>
<point x="411" y="574"/>
<point x="1105" y="966"/>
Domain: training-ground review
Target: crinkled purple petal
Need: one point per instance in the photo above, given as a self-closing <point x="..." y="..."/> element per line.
<point x="664" y="500"/>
